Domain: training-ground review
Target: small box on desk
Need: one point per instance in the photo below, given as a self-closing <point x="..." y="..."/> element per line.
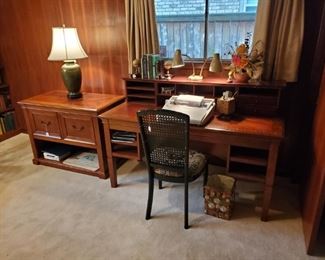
<point x="226" y="106"/>
<point x="219" y="196"/>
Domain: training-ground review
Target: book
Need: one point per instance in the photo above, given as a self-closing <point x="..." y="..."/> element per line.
<point x="152" y="65"/>
<point x="123" y="141"/>
<point x="144" y="66"/>
<point x="56" y="152"/>
<point x="86" y="160"/>
<point x="9" y="121"/>
<point x="2" y="125"/>
<point x="124" y="136"/>
<point x="155" y="65"/>
<point x="3" y="106"/>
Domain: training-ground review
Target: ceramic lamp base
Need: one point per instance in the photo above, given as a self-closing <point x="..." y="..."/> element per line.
<point x="71" y="75"/>
<point x="72" y="95"/>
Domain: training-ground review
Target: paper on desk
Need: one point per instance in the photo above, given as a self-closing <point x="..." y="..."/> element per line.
<point x="190" y="100"/>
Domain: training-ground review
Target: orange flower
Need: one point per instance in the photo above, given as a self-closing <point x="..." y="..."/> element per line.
<point x="241" y="49"/>
<point x="243" y="62"/>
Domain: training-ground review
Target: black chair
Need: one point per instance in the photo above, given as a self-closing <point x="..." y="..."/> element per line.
<point x="165" y="139"/>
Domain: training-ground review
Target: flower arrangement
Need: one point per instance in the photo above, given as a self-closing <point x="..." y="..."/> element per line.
<point x="245" y="62"/>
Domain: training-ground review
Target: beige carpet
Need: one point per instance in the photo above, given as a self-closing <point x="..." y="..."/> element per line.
<point x="47" y="213"/>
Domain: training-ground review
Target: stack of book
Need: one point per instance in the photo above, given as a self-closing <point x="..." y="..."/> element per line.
<point x="7" y="122"/>
<point x="86" y="159"/>
<point x="56" y="152"/>
<point x="5" y="102"/>
<point x="122" y="136"/>
<point x="7" y="116"/>
<point x="149" y="66"/>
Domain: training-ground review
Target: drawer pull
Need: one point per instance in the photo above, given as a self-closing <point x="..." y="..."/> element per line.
<point x="78" y="128"/>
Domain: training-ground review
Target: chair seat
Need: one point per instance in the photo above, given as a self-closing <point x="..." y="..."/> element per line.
<point x="196" y="164"/>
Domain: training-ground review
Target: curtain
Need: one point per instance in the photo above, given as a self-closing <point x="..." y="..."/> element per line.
<point x="280" y="26"/>
<point x="141" y="29"/>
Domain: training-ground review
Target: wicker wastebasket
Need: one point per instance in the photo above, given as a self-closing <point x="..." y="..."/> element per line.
<point x="219" y="196"/>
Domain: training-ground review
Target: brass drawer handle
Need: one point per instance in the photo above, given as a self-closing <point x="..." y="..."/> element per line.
<point x="78" y="128"/>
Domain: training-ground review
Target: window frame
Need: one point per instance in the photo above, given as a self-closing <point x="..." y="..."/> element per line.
<point x="206" y="18"/>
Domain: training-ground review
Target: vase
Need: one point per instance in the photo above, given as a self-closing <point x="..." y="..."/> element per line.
<point x="241" y="77"/>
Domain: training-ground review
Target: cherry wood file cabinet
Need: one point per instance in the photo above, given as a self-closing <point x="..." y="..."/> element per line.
<point x="54" y="119"/>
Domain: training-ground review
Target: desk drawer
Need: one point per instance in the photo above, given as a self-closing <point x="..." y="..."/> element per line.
<point x="44" y="123"/>
<point x="123" y="125"/>
<point x="257" y="109"/>
<point x="78" y="128"/>
<point x="264" y="100"/>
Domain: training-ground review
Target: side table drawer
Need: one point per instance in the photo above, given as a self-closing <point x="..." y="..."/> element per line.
<point x="78" y="128"/>
<point x="44" y="123"/>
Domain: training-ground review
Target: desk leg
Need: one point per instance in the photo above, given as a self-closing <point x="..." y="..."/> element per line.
<point x="112" y="171"/>
<point x="110" y="160"/>
<point x="269" y="180"/>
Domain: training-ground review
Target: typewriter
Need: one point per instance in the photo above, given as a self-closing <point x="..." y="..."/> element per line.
<point x="199" y="109"/>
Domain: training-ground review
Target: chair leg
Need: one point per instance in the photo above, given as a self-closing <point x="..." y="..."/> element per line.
<point x="186" y="226"/>
<point x="160" y="184"/>
<point x="150" y="196"/>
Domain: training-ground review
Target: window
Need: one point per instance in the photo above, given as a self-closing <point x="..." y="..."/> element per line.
<point x="250" y="6"/>
<point x="202" y="27"/>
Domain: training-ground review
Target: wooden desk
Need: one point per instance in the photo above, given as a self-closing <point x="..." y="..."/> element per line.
<point x="252" y="142"/>
<point x="52" y="118"/>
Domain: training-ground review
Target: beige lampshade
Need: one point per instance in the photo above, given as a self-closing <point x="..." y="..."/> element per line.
<point x="66" y="45"/>
<point x="215" y="65"/>
<point x="177" y="60"/>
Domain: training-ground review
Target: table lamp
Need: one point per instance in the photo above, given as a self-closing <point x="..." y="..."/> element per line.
<point x="215" y="65"/>
<point x="178" y="61"/>
<point x="67" y="48"/>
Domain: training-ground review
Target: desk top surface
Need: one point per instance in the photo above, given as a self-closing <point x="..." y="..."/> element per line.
<point x="58" y="99"/>
<point x="246" y="125"/>
<point x="213" y="81"/>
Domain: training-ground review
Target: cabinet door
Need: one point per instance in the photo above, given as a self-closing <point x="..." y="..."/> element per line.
<point x="45" y="123"/>
<point x="78" y="128"/>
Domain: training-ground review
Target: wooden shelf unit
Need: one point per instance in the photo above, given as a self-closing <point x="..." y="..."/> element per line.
<point x="260" y="99"/>
<point x="247" y="163"/>
<point x="53" y="119"/>
<point x="125" y="149"/>
<point x="8" y="124"/>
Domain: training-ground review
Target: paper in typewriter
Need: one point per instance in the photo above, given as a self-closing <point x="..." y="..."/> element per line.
<point x="199" y="114"/>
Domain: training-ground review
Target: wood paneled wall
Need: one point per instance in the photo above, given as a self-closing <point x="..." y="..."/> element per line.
<point x="26" y="36"/>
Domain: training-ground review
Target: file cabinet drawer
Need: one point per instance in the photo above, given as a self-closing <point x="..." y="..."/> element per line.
<point x="45" y="123"/>
<point x="78" y="128"/>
